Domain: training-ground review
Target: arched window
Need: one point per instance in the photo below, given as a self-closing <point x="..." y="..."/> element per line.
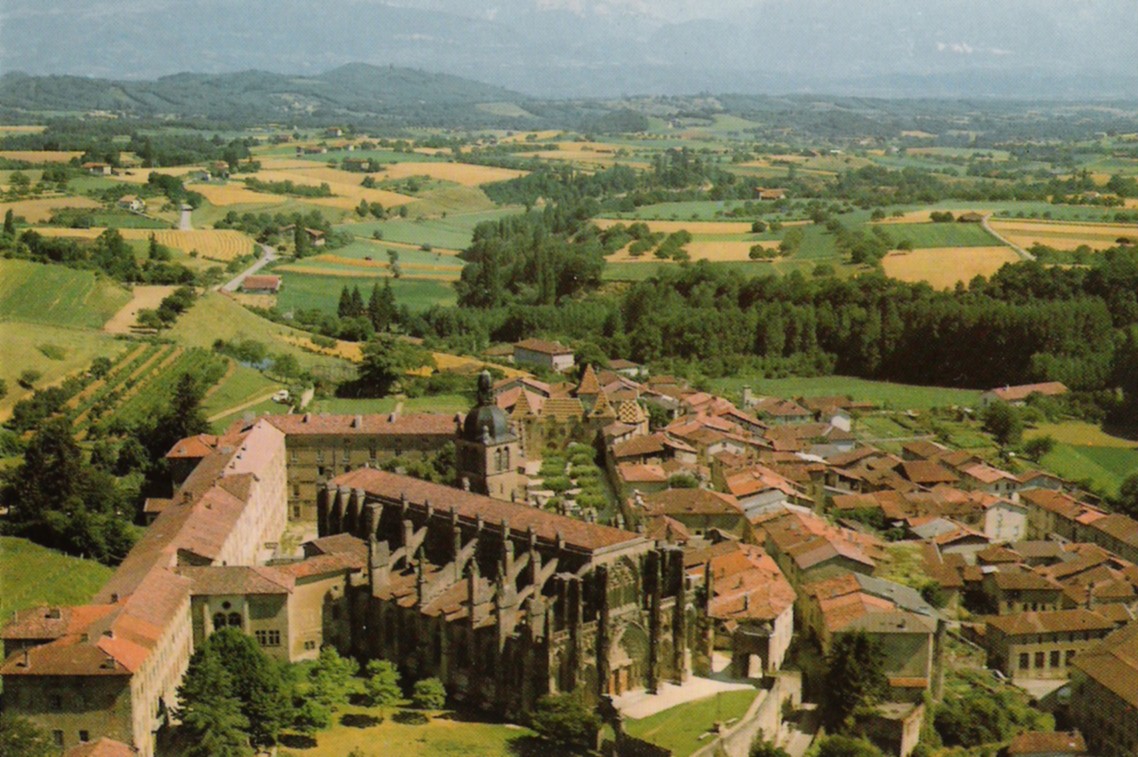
<point x="219" y="621"/>
<point x="235" y="619"/>
<point x="506" y="458"/>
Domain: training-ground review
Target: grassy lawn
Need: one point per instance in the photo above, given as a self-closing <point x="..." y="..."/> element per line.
<point x="31" y="575"/>
<point x="884" y="393"/>
<point x="302" y="291"/>
<point x="1104" y="467"/>
<point x="443" y="735"/>
<point x="679" y="728"/>
<point x="77" y="298"/>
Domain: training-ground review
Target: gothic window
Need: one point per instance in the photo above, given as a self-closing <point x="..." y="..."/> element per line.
<point x="219" y="621"/>
<point x="506" y="458"/>
<point x="235" y="619"/>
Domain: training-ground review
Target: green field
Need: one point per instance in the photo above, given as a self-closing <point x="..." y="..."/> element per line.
<point x="701" y="210"/>
<point x="242" y="385"/>
<point x="680" y="727"/>
<point x="1105" y="467"/>
<point x="215" y="316"/>
<point x="22" y="344"/>
<point x="884" y="393"/>
<point x="303" y="291"/>
<point x="31" y="575"/>
<point x="453" y="232"/>
<point x="941" y="235"/>
<point x="77" y="298"/>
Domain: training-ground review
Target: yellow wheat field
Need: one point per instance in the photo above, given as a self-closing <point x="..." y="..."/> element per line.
<point x="234" y="194"/>
<point x="36" y="211"/>
<point x="943" y="267"/>
<point x="343" y="184"/>
<point x="142" y="175"/>
<point x="523" y="136"/>
<point x="216" y="244"/>
<point x="21" y="129"/>
<point x="1064" y="236"/>
<point x="40" y="156"/>
<point x="466" y="174"/>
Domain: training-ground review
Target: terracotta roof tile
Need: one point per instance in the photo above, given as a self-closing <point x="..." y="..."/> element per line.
<point x="544" y="347"/>
<point x="1054" y="621"/>
<point x="417" y="424"/>
<point x="1047" y="744"/>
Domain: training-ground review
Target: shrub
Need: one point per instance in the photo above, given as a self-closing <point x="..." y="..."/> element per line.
<point x="564" y="719"/>
<point x="429" y="694"/>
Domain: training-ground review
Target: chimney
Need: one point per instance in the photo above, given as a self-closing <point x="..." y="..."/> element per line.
<point x="26" y="660"/>
<point x="466" y="483"/>
<point x="114" y="597"/>
<point x="307" y="417"/>
<point x="358" y="422"/>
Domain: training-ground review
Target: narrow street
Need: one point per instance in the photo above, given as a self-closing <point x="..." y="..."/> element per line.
<point x="268" y="255"/>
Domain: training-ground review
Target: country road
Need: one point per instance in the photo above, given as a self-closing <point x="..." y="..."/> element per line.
<point x="185" y="223"/>
<point x="1024" y="254"/>
<point x="268" y="255"/>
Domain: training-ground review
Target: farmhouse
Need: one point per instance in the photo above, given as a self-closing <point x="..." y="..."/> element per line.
<point x="769" y="193"/>
<point x="263" y="284"/>
<point x="97" y="169"/>
<point x="549" y="355"/>
<point x="316" y="237"/>
<point x="1018" y="395"/>
<point x="133" y="203"/>
<point x="970" y="217"/>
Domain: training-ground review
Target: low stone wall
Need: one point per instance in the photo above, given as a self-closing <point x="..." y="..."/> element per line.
<point x="764" y="715"/>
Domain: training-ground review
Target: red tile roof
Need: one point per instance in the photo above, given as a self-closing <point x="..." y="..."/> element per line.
<point x="409" y="424"/>
<point x="1022" y="392"/>
<point x="680" y="502"/>
<point x="1053" y="621"/>
<point x="548" y="527"/>
<point x="103" y="747"/>
<point x="542" y="346"/>
<point x="261" y="282"/>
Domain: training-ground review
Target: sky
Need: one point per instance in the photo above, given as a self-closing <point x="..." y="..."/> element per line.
<point x="574" y="48"/>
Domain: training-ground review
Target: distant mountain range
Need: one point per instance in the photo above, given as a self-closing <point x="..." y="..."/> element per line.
<point x="354" y="90"/>
<point x="1032" y="49"/>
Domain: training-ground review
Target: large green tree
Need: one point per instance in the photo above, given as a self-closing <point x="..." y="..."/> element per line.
<point x="855" y="678"/>
<point x="386" y="361"/>
<point x="1003" y="422"/>
<point x="564" y="719"/>
<point x="257" y="682"/>
<point x="210" y="713"/>
<point x="19" y="737"/>
<point x="382" y="684"/>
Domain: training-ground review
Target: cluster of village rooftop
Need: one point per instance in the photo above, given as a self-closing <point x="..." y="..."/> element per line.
<point x="736" y="528"/>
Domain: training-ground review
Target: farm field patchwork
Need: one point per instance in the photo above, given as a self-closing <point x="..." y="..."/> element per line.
<point x="141" y="297"/>
<point x="234" y="193"/>
<point x="923" y="235"/>
<point x="943" y="267"/>
<point x="1064" y="236"/>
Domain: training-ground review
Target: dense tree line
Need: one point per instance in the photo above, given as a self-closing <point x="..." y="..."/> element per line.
<point x="109" y="253"/>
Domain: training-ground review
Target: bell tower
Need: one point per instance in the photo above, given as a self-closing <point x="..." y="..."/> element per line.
<point x="489" y="452"/>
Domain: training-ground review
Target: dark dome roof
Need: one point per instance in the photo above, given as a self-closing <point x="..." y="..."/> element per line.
<point x="491" y="418"/>
<point x="487" y="420"/>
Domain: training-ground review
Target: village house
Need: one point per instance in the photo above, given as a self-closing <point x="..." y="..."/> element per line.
<point x="1014" y="589"/>
<point x="808" y="548"/>
<point x="1018" y="395"/>
<point x="701" y="511"/>
<point x="750" y="604"/>
<point x="1104" y="693"/>
<point x="548" y="355"/>
<point x="261" y="284"/>
<point x="1041" y="644"/>
<point x="97" y="169"/>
